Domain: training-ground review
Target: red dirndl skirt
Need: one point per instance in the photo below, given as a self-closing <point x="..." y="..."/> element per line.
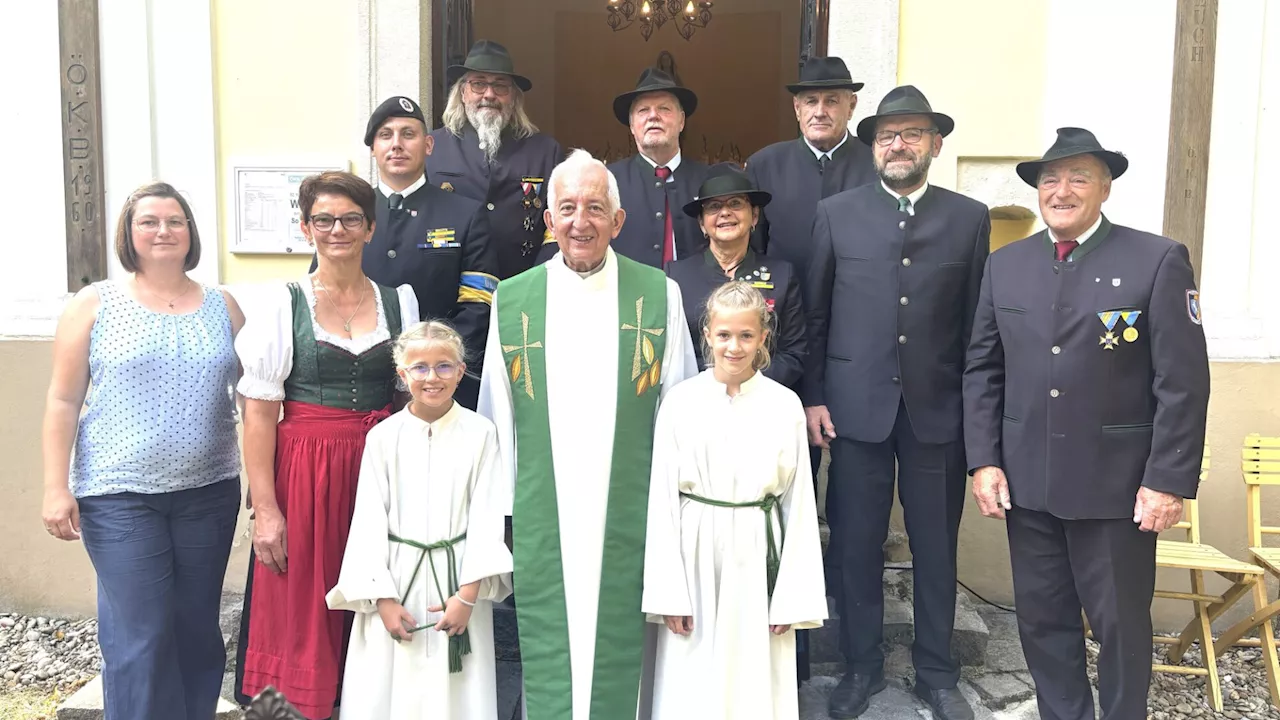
<point x="297" y="644"/>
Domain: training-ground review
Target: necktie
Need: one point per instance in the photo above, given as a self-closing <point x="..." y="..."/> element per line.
<point x="394" y="200"/>
<point x="822" y="163"/>
<point x="668" y="232"/>
<point x="904" y="205"/>
<point x="1063" y="248"/>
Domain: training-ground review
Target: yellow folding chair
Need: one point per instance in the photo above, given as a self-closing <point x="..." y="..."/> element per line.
<point x="1194" y="556"/>
<point x="1260" y="466"/>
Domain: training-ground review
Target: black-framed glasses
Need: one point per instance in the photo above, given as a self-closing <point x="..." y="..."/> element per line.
<point x="501" y="89"/>
<point x="421" y="371"/>
<point x="152" y="224"/>
<point x="713" y="207"/>
<point x="350" y="221"/>
<point x="910" y="136"/>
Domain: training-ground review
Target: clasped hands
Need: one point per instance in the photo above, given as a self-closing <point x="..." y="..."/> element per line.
<point x="400" y="623"/>
<point x="1153" y="510"/>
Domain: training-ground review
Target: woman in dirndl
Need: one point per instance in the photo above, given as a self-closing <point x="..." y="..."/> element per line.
<point x="321" y="347"/>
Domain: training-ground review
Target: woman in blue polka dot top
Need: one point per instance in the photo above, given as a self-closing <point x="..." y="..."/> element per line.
<point x="149" y="477"/>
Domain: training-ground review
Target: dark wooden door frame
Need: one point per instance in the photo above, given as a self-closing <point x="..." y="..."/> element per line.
<point x="452" y="33"/>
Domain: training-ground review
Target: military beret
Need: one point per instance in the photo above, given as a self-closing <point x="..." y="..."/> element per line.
<point x="398" y="106"/>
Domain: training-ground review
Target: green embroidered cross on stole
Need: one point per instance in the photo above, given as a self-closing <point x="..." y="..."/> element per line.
<point x="544" y="625"/>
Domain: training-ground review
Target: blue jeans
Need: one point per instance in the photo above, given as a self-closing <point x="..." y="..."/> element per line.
<point x="160" y="561"/>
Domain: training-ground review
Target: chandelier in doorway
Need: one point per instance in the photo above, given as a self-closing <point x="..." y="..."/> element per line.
<point x="652" y="14"/>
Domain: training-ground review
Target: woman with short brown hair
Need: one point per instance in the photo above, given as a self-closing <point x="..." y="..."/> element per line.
<point x="153" y="485"/>
<point x="321" y="350"/>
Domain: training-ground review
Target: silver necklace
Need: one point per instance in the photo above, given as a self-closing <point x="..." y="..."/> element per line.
<point x="346" y="324"/>
<point x="169" y="302"/>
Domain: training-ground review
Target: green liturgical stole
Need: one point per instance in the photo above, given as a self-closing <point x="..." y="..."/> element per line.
<point x="544" y="626"/>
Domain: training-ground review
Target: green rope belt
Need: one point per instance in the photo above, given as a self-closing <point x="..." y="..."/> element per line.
<point x="459" y="644"/>
<point x="770" y="504"/>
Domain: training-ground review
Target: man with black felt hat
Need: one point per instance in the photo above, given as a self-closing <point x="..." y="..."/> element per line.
<point x="436" y="241"/>
<point x="490" y="150"/>
<point x="1085" y="400"/>
<point x="823" y="161"/>
<point x="890" y="294"/>
<point x="658" y="180"/>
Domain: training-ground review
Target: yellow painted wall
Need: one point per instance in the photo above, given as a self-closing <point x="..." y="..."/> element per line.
<point x="981" y="62"/>
<point x="285" y="84"/>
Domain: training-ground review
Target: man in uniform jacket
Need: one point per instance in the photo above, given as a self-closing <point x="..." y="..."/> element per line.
<point x="1085" y="398"/>
<point x="658" y="180"/>
<point x="890" y="295"/>
<point x="435" y="241"/>
<point x="490" y="151"/>
<point x="823" y="161"/>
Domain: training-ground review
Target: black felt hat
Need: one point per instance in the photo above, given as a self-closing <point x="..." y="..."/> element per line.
<point x="487" y="56"/>
<point x="722" y="180"/>
<point x="653" y="80"/>
<point x="1073" y="141"/>
<point x="398" y="106"/>
<point x="825" y="73"/>
<point x="904" y="100"/>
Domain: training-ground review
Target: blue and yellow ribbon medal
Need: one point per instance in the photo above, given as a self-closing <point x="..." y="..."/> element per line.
<point x="1130" y="317"/>
<point x="1109" y="319"/>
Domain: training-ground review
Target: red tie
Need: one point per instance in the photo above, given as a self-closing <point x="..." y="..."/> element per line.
<point x="668" y="232"/>
<point x="1064" y="247"/>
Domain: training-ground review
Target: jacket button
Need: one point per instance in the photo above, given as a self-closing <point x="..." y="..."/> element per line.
<point x="658" y="214"/>
<point x="1054" y="393"/>
<point x="658" y="184"/>
<point x="903" y="301"/>
<point x="490" y="206"/>
<point x="657" y="247"/>
<point x="1055" y="350"/>
<point x="902" y="339"/>
<point x="353" y="390"/>
<point x="902" y="224"/>
<point x="391" y="253"/>
<point x="896" y="380"/>
<point x="906" y="262"/>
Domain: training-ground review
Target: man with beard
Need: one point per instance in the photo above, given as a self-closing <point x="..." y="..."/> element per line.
<point x="489" y="150"/>
<point x="890" y="294"/>
<point x="822" y="162"/>
<point x="657" y="181"/>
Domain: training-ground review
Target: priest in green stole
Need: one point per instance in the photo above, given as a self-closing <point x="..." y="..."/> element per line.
<point x="581" y="349"/>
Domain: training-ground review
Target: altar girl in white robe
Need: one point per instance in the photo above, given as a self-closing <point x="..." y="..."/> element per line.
<point x="733" y="563"/>
<point x="426" y="556"/>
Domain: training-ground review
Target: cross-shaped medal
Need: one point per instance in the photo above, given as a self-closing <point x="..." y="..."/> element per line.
<point x="520" y="363"/>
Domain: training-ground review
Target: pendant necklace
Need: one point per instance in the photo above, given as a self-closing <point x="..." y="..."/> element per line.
<point x="346" y="324"/>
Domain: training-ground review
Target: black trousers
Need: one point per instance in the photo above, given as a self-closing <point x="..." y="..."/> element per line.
<point x="1109" y="567"/>
<point x="931" y="482"/>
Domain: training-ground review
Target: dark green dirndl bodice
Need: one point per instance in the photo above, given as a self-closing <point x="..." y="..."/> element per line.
<point x="333" y="377"/>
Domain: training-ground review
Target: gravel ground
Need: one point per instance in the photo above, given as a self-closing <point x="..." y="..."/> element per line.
<point x="46" y="654"/>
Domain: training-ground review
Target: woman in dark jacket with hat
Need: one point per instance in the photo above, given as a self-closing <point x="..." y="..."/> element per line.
<point x="727" y="208"/>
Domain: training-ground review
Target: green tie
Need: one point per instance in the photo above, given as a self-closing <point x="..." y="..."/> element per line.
<point x="904" y="204"/>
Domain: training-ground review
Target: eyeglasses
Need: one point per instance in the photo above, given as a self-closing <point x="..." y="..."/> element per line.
<point x="151" y="224"/>
<point x="910" y="136"/>
<point x="350" y="221"/>
<point x="444" y="371"/>
<point x="713" y="207"/>
<point x="501" y="89"/>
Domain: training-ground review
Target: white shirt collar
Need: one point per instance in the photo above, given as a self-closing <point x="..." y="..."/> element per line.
<point x="818" y="153"/>
<point x="386" y="190"/>
<point x="914" y="197"/>
<point x="1084" y="235"/>
<point x="675" y="163"/>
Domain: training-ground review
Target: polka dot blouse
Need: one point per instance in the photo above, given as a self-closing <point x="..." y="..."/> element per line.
<point x="160" y="411"/>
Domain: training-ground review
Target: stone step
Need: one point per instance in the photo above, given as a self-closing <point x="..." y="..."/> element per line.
<point x="86" y="704"/>
<point x="968" y="641"/>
